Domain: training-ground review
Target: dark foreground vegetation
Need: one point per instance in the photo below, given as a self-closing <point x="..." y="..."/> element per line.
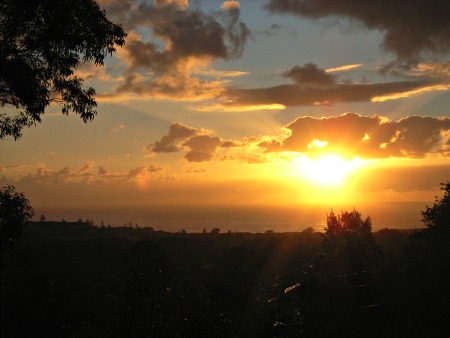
<point x="73" y="279"/>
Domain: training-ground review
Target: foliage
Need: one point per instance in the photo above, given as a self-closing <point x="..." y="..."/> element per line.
<point x="438" y="216"/>
<point x="436" y="236"/>
<point x="15" y="212"/>
<point x="74" y="280"/>
<point x="42" y="43"/>
<point x="350" y="239"/>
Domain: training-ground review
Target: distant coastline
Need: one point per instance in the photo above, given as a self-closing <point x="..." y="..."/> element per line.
<point x="175" y="218"/>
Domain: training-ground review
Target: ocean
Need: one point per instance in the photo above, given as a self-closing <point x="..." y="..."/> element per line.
<point x="195" y="218"/>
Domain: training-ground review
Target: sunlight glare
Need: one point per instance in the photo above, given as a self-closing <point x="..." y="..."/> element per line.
<point x="327" y="170"/>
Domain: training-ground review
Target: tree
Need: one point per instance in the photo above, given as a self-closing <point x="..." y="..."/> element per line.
<point x="437" y="221"/>
<point x="42" y="43"/>
<point x="15" y="212"/>
<point x="349" y="238"/>
<point x="438" y="216"/>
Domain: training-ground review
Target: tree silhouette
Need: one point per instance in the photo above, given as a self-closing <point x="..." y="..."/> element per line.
<point x="42" y="43"/>
<point x="438" y="216"/>
<point x="15" y="211"/>
<point x="349" y="238"/>
<point x="437" y="221"/>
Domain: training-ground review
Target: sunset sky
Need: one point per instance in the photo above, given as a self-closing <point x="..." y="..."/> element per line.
<point x="253" y="102"/>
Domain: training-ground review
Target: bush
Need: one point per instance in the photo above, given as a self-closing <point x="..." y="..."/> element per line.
<point x="15" y="212"/>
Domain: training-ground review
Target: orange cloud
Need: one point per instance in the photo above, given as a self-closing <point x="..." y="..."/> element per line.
<point x="343" y="68"/>
<point x="366" y="137"/>
<point x="230" y="5"/>
<point x="349" y="135"/>
<point x="395" y="96"/>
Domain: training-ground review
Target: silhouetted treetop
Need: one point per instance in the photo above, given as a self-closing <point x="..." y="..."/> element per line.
<point x="345" y="228"/>
<point x="349" y="240"/>
<point x="438" y="216"/>
<point x="42" y="42"/>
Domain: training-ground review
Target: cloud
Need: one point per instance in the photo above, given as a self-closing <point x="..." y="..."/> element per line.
<point x="311" y="95"/>
<point x="367" y="137"/>
<point x="439" y="70"/>
<point x="349" y="135"/>
<point x="102" y="171"/>
<point x="144" y="172"/>
<point x="272" y="30"/>
<point x="181" y="40"/>
<point x="199" y="144"/>
<point x="177" y="133"/>
<point x="182" y="4"/>
<point x="255" y="159"/>
<point x="343" y="68"/>
<point x="230" y="5"/>
<point x="41" y="174"/>
<point x="401" y="95"/>
<point x="86" y="168"/>
<point x="409" y="27"/>
<point x="315" y="86"/>
<point x="310" y="76"/>
<point x="201" y="148"/>
<point x="177" y="87"/>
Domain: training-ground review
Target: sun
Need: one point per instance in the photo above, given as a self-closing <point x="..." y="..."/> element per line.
<point x="327" y="170"/>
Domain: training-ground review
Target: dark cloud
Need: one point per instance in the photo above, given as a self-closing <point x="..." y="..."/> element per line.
<point x="202" y="148"/>
<point x="309" y="75"/>
<point x="409" y="27"/>
<point x="188" y="33"/>
<point x="181" y="39"/>
<point x="199" y="144"/>
<point x="366" y="137"/>
<point x="179" y="35"/>
<point x="295" y="95"/>
<point x="177" y="133"/>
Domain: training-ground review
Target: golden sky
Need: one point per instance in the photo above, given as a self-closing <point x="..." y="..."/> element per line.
<point x="258" y="102"/>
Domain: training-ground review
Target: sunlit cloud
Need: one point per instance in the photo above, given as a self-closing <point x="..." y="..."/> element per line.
<point x="182" y="4"/>
<point x="395" y="96"/>
<point x="353" y="135"/>
<point x="432" y="69"/>
<point x="230" y="5"/>
<point x="348" y="135"/>
<point x="219" y="73"/>
<point x="237" y="109"/>
<point x="183" y="41"/>
<point x="343" y="68"/>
